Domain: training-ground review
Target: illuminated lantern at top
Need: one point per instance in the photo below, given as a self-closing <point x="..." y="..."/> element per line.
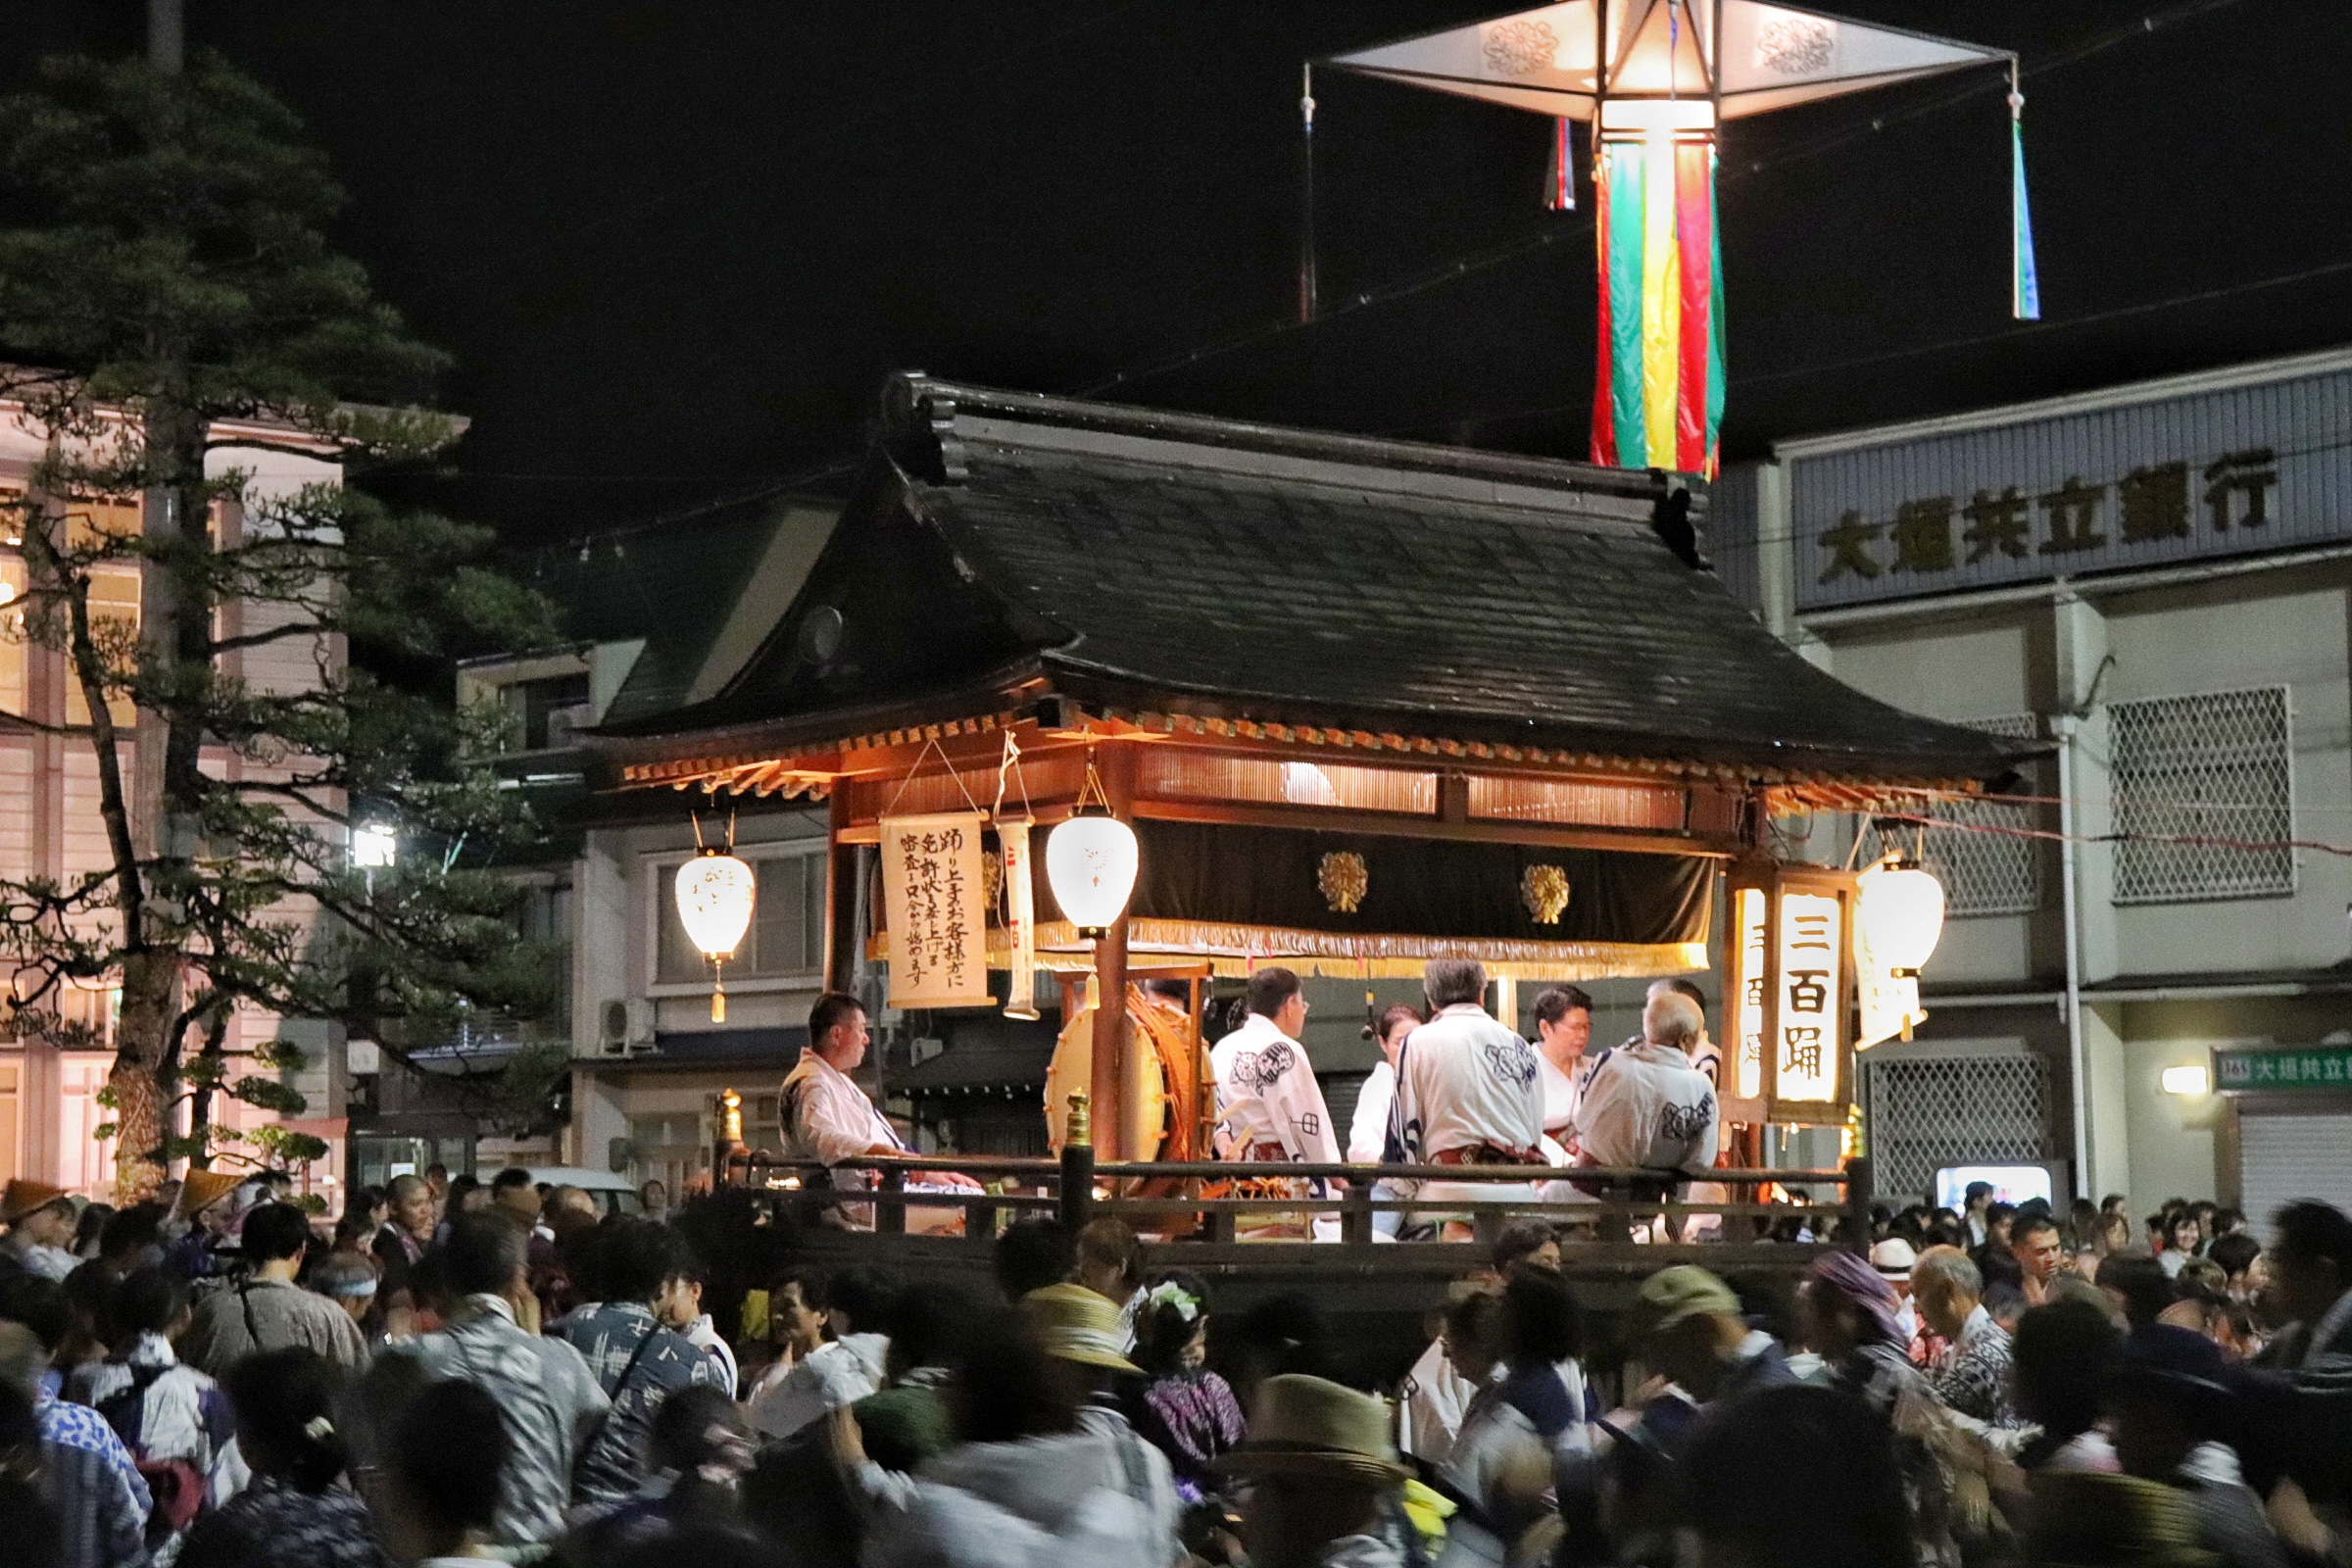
<point x="1900" y="909"/>
<point x="1654" y="79"/>
<point x="1091" y="865"/>
<point x="714" y="893"/>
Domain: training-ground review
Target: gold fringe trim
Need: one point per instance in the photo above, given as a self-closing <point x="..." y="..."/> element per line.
<point x="1234" y="950"/>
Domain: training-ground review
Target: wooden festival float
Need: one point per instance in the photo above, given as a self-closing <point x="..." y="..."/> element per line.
<point x="1358" y="704"/>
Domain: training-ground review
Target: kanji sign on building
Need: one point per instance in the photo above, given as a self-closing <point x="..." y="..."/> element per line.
<point x="2308" y="1069"/>
<point x="2230" y="470"/>
<point x="935" y="906"/>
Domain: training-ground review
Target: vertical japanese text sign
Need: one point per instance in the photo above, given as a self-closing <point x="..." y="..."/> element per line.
<point x="1792" y="993"/>
<point x="935" y="904"/>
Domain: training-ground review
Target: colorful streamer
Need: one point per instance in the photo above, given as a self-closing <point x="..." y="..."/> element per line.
<point x="1559" y="187"/>
<point x="2025" y="288"/>
<point x="1658" y="392"/>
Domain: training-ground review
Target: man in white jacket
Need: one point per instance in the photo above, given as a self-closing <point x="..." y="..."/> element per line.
<point x="1647" y="1105"/>
<point x="1466" y="1094"/>
<point x="1269" y="1106"/>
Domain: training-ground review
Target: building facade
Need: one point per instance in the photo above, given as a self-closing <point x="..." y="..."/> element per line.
<point x="50" y="826"/>
<point x="2156" y="581"/>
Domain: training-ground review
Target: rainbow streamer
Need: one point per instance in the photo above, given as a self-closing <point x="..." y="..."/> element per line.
<point x="1658" y="389"/>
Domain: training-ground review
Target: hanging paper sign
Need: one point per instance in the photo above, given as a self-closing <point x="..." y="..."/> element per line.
<point x="1790" y="993"/>
<point x="936" y="909"/>
<point x="1020" y="918"/>
<point x="1812" y="997"/>
<point x="1887" y="1004"/>
<point x="1750" y="981"/>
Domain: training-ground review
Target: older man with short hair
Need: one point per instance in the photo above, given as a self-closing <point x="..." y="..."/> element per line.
<point x="1970" y="1373"/>
<point x="1648" y="1106"/>
<point x="1467" y="1092"/>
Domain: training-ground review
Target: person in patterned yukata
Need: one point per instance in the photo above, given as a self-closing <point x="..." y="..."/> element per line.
<point x="298" y="1512"/>
<point x="637" y="1362"/>
<point x="1970" y="1373"/>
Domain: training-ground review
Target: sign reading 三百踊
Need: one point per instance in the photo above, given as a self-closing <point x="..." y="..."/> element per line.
<point x="2231" y="471"/>
<point x="935" y="906"/>
<point x="1812" y="996"/>
<point x="2308" y="1067"/>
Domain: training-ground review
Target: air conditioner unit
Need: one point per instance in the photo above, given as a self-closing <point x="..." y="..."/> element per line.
<point x="624" y="1026"/>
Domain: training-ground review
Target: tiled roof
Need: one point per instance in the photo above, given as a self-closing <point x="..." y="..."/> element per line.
<point x="1192" y="566"/>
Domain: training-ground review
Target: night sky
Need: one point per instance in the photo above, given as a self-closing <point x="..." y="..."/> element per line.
<point x="675" y="246"/>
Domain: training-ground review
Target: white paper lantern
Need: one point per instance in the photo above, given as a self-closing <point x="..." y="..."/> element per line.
<point x="1902" y="910"/>
<point x="715" y="894"/>
<point x="1090" y="865"/>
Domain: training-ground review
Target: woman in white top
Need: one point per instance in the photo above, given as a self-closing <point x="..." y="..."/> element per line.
<point x="1368" y="1128"/>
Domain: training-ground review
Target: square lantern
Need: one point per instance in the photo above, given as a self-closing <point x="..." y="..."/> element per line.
<point x="1790" y="1000"/>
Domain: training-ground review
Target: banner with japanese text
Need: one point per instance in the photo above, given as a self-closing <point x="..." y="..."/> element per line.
<point x="935" y="907"/>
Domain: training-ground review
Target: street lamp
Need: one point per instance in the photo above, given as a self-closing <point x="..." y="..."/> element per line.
<point x="714" y="893"/>
<point x="1902" y="910"/>
<point x="373" y="845"/>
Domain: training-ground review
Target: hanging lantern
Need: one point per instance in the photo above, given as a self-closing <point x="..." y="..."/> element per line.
<point x="1090" y="863"/>
<point x="715" y="894"/>
<point x="1902" y="910"/>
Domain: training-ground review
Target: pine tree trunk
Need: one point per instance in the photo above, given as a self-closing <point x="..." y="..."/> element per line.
<point x="140" y="1042"/>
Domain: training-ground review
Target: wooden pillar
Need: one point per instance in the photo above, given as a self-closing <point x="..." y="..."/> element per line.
<point x="1109" y="1080"/>
<point x="841" y="893"/>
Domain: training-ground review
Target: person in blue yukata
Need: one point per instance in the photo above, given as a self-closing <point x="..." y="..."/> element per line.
<point x="636" y="1362"/>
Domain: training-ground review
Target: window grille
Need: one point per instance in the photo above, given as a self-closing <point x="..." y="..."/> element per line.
<point x="1986" y="863"/>
<point x="1922" y="1113"/>
<point x="2216" y="765"/>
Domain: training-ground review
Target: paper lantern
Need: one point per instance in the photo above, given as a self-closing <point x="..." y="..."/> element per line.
<point x="715" y="894"/>
<point x="1090" y="863"/>
<point x="1902" y="910"/>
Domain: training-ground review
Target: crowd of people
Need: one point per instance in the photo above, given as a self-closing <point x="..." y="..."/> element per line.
<point x="457" y="1371"/>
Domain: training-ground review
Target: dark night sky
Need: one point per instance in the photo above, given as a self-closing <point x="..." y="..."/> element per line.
<point x="674" y="244"/>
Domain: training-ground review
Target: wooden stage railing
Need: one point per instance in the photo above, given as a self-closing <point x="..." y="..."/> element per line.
<point x="1188" y="1209"/>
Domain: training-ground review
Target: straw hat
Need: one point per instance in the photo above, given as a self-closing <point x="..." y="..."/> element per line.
<point x="22" y="1199"/>
<point x="1077" y="1325"/>
<point x="1893" y="1259"/>
<point x="200" y="1190"/>
<point x="1307" y="1426"/>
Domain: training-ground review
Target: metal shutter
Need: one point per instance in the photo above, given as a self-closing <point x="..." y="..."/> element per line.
<point x="2283" y="1156"/>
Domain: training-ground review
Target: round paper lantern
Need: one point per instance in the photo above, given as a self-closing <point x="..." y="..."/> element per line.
<point x="1902" y="910"/>
<point x="714" y="904"/>
<point x="1090" y="865"/>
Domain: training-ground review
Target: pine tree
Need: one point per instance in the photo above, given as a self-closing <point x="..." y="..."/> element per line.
<point x="176" y="315"/>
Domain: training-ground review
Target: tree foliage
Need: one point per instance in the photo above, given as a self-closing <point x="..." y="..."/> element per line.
<point x="182" y="331"/>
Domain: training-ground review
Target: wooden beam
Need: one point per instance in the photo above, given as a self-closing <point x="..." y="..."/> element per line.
<point x="841" y="899"/>
<point x="1111" y="1042"/>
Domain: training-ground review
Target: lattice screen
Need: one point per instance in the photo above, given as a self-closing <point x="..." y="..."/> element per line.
<point x="1986" y="865"/>
<point x="1927" y="1112"/>
<point x="2217" y="766"/>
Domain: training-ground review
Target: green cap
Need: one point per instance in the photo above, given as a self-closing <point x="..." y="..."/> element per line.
<point x="1672" y="1294"/>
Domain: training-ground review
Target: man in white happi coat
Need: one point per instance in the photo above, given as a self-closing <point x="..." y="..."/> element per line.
<point x="826" y="1117"/>
<point x="1648" y="1105"/>
<point x="1467" y="1092"/>
<point x="1269" y="1106"/>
